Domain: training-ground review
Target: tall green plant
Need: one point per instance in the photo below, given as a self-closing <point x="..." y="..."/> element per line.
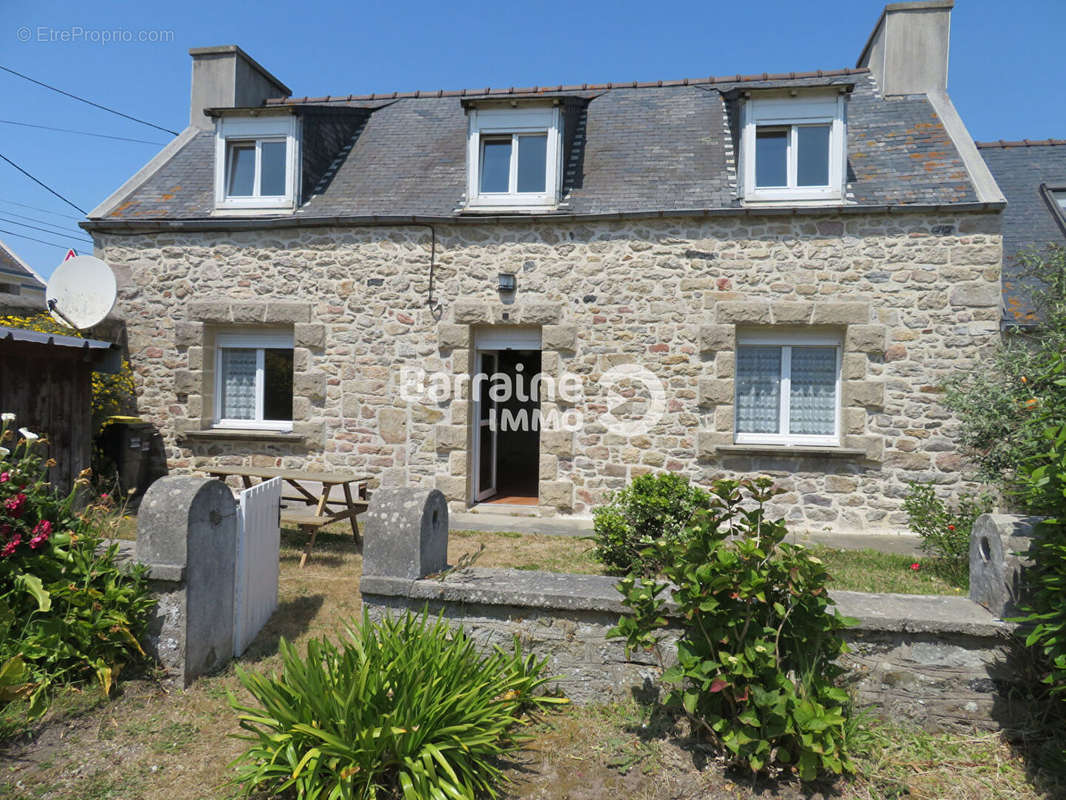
<point x="401" y="708"/>
<point x="653" y="507"/>
<point x="1004" y="406"/>
<point x="1043" y="479"/>
<point x="755" y="665"/>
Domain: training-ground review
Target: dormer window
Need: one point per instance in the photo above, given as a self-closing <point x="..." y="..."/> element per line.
<point x="793" y="149"/>
<point x="255" y="163"/>
<point x="513" y="158"/>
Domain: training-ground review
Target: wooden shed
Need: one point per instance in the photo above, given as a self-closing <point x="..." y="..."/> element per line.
<point x="46" y="380"/>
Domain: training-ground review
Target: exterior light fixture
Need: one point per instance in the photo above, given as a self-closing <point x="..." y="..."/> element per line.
<point x="507" y="282"/>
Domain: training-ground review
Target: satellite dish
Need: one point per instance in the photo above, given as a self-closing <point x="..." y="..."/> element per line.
<point x="81" y="292"/>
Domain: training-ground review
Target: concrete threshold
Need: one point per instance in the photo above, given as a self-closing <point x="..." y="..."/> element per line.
<point x="504" y="520"/>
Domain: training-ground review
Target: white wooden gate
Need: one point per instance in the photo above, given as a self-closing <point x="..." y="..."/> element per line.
<point x="258" y="539"/>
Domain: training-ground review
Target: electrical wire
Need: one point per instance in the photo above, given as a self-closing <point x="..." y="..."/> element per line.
<point x="38" y="208"/>
<point x="88" y="102"/>
<point x="51" y="231"/>
<point x="34" y="219"/>
<point x="80" y="133"/>
<point x="42" y="183"/>
<point x="32" y="239"/>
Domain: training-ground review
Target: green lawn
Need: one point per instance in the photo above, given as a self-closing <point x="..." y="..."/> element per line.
<point x="853" y="570"/>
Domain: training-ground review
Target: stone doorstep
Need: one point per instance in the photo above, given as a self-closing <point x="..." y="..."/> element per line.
<point x="895" y="613"/>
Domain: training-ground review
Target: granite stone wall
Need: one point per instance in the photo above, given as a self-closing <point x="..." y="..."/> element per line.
<point x="939" y="662"/>
<point x="912" y="297"/>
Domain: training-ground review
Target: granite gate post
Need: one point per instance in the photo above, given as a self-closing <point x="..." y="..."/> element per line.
<point x="187" y="535"/>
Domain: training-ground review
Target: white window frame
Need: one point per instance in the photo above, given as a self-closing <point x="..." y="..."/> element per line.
<point x="786" y="341"/>
<point x="251" y="341"/>
<point x="490" y="122"/>
<point x="258" y="130"/>
<point x="793" y="113"/>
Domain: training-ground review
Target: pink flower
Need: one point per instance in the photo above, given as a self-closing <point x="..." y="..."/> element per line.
<point x="41" y="532"/>
<point x="916" y="566"/>
<point x="104" y="496"/>
<point x="9" y="548"/>
<point x="15" y="505"/>
<point x="5" y="477"/>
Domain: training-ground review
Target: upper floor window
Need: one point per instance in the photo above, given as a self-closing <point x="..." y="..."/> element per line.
<point x="793" y="148"/>
<point x="513" y="157"/>
<point x="255" y="163"/>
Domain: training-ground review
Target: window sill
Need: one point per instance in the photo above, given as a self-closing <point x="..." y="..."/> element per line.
<point x="517" y="208"/>
<point x="793" y="202"/>
<point x="797" y="451"/>
<point x="244" y="435"/>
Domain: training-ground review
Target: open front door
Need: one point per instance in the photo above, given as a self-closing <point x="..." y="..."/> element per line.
<point x="485" y="433"/>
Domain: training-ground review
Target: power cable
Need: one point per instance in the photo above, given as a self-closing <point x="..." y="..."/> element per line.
<point x="32" y="239"/>
<point x="42" y="183"/>
<point x="38" y="208"/>
<point x="52" y="231"/>
<point x="80" y="133"/>
<point x="88" y="102"/>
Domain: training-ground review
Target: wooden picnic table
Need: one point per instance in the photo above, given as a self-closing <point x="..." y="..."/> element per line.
<point x="326" y="508"/>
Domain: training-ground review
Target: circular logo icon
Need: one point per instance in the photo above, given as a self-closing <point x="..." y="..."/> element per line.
<point x="636" y="400"/>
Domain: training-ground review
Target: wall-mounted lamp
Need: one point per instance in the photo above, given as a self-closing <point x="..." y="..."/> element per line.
<point x="507" y="282"/>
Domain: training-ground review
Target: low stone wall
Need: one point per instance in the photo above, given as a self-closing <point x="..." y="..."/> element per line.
<point x="935" y="661"/>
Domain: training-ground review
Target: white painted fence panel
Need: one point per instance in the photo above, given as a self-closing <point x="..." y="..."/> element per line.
<point x="258" y="540"/>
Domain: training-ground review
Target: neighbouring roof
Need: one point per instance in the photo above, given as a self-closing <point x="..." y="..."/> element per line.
<point x="14" y="270"/>
<point x="631" y="148"/>
<point x="1023" y="169"/>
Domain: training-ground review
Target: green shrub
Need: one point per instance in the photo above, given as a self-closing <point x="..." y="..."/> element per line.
<point x="944" y="530"/>
<point x="69" y="611"/>
<point x="653" y="507"/>
<point x="755" y="665"/>
<point x="1044" y="481"/>
<point x="1004" y="406"/>
<point x="402" y="708"/>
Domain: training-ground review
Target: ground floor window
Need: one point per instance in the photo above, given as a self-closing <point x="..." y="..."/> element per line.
<point x="788" y="389"/>
<point x="253" y="386"/>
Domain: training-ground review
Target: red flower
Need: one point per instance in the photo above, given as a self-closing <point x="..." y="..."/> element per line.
<point x="15" y="505"/>
<point x="916" y="566"/>
<point x="41" y="532"/>
<point x="951" y="527"/>
<point x="9" y="548"/>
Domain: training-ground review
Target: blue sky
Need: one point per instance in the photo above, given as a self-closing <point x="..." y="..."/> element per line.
<point x="1006" y="68"/>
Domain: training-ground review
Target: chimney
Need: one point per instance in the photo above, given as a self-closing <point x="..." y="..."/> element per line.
<point x="227" y="77"/>
<point x="908" y="49"/>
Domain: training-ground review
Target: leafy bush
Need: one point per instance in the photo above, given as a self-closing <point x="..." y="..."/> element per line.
<point x="68" y="610"/>
<point x="403" y="708"/>
<point x="1004" y="407"/>
<point x="945" y="531"/>
<point x="1044" y="481"/>
<point x="653" y="507"/>
<point x="755" y="665"/>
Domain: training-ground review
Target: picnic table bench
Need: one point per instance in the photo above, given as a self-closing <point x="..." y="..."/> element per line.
<point x="318" y="507"/>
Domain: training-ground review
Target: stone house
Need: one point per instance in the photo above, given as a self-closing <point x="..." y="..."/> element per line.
<point x="715" y="276"/>
<point x="21" y="288"/>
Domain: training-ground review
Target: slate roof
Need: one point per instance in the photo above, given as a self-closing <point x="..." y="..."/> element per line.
<point x="13" y="270"/>
<point x="1020" y="168"/>
<point x="628" y="148"/>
